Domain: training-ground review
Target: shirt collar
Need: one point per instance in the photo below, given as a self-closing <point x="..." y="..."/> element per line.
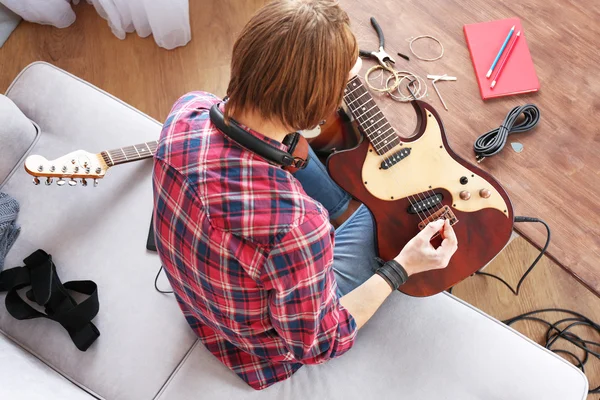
<point x="266" y="139"/>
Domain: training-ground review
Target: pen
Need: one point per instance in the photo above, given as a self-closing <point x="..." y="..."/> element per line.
<point x="500" y="52"/>
<point x="501" y="67"/>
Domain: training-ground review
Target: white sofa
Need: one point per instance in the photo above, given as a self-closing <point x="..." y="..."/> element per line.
<point x="423" y="349"/>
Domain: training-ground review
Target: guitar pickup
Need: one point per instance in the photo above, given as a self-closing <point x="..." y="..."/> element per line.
<point x="425" y="204"/>
<point x="443" y="213"/>
<point x="395" y="158"/>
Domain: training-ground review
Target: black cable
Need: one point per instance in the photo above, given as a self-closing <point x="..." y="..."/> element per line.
<point x="156" y="283"/>
<point x="555" y="332"/>
<point x="516" y="292"/>
<point x="492" y="142"/>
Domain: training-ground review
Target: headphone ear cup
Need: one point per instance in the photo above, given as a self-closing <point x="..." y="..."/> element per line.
<point x="299" y="150"/>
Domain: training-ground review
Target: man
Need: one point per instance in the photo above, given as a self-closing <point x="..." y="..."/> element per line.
<point x="257" y="269"/>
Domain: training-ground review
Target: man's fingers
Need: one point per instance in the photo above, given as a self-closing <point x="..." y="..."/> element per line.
<point x="431" y="229"/>
<point x="449" y="234"/>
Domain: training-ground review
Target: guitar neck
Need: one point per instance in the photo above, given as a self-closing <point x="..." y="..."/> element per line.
<point x="370" y="117"/>
<point x="129" y="153"/>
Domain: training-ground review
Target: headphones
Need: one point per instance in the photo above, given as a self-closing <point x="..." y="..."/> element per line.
<point x="294" y="159"/>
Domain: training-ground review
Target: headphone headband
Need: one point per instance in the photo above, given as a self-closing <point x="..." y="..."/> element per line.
<point x="245" y="139"/>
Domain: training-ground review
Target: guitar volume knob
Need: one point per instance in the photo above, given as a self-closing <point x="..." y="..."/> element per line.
<point x="465" y="195"/>
<point x="485" y="193"/>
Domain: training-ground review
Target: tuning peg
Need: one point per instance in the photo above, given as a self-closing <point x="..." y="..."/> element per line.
<point x="40" y="168"/>
<point x="48" y="181"/>
<point x="98" y="170"/>
<point x="61" y="182"/>
<point x="64" y="168"/>
<point x="52" y="168"/>
<point x="72" y="182"/>
<point x="83" y="182"/>
<point x="76" y="169"/>
<point x="95" y="182"/>
<point x="87" y="170"/>
<point x="36" y="180"/>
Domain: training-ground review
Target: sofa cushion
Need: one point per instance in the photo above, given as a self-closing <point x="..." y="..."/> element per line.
<point x="96" y="233"/>
<point x="25" y="377"/>
<point x="17" y="134"/>
<point x="413" y="348"/>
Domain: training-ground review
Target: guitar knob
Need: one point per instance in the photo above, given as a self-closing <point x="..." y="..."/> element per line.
<point x="95" y="182"/>
<point x="49" y="181"/>
<point x="83" y="182"/>
<point x="61" y="182"/>
<point x="72" y="182"/>
<point x="465" y="195"/>
<point x="36" y="180"/>
<point x="485" y="193"/>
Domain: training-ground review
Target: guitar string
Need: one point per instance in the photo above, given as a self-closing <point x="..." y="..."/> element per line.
<point x="130" y="153"/>
<point x="405" y="75"/>
<point x="425" y="198"/>
<point x="412" y="200"/>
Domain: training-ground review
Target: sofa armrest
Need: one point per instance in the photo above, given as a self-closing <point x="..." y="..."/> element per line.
<point x="17" y="135"/>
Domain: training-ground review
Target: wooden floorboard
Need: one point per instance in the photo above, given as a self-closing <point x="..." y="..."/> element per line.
<point x="151" y="79"/>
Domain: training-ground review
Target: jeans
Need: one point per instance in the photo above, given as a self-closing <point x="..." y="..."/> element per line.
<point x="354" y="250"/>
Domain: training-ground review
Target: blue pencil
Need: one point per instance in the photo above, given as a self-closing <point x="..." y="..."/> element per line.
<point x="500" y="52"/>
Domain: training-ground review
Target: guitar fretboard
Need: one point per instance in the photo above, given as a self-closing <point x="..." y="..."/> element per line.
<point x="129" y="153"/>
<point x="370" y="118"/>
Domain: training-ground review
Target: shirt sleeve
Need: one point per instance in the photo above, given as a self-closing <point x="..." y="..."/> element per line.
<point x="303" y="303"/>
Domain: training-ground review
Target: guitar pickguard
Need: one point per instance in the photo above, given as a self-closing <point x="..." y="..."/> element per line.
<point x="427" y="167"/>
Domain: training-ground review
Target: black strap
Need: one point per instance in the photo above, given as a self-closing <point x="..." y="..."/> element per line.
<point x="40" y="273"/>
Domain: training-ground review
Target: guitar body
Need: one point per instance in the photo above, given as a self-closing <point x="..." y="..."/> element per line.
<point x="334" y="134"/>
<point x="483" y="223"/>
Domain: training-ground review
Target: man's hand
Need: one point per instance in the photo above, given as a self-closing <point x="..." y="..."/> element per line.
<point x="419" y="255"/>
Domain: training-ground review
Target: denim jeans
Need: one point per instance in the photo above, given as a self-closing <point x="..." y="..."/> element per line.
<point x="354" y="250"/>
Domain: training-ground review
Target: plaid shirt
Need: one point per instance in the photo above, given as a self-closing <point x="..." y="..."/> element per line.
<point x="248" y="253"/>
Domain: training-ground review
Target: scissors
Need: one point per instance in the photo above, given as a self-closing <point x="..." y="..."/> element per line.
<point x="381" y="55"/>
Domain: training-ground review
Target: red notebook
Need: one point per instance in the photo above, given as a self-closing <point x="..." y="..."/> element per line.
<point x="484" y="40"/>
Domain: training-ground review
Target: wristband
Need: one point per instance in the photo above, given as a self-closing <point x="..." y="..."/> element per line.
<point x="393" y="273"/>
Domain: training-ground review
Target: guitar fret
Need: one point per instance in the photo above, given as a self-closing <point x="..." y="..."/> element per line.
<point x="123" y="151"/>
<point x="348" y="104"/>
<point x="367" y="111"/>
<point x="380" y="133"/>
<point x="136" y="150"/>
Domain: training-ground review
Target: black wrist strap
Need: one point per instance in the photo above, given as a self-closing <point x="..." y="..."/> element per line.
<point x="393" y="273"/>
<point x="39" y="272"/>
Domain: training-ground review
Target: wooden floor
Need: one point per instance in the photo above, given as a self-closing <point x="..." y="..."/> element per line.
<point x="151" y="79"/>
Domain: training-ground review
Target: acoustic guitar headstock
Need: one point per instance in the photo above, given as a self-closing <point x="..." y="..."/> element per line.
<point x="76" y="165"/>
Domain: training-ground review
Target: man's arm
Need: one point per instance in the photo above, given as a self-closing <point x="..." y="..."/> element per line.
<point x="417" y="256"/>
<point x="304" y="308"/>
<point x="363" y="301"/>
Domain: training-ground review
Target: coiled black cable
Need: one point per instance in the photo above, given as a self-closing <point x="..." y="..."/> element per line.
<point x="492" y="142"/>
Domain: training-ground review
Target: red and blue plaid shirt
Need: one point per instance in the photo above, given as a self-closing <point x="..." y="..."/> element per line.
<point x="249" y="254"/>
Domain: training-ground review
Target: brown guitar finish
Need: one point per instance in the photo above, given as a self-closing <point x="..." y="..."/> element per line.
<point x="335" y="135"/>
<point x="481" y="234"/>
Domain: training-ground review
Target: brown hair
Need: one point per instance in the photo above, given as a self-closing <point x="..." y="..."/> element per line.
<point x="291" y="62"/>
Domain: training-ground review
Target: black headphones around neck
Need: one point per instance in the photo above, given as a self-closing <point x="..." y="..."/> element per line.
<point x="245" y="139"/>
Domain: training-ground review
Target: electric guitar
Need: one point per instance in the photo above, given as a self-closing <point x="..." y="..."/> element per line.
<point x="83" y="165"/>
<point x="408" y="182"/>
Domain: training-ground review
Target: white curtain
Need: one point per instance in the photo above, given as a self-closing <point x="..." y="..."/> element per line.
<point x="167" y="20"/>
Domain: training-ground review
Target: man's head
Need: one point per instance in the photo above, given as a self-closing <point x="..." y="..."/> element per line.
<point x="290" y="63"/>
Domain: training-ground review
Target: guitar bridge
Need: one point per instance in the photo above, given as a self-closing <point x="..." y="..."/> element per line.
<point x="443" y="213"/>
